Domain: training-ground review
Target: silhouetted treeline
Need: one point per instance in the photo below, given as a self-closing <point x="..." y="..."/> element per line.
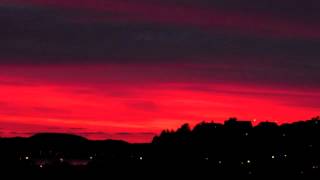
<point x="233" y="132"/>
<point x="235" y="148"/>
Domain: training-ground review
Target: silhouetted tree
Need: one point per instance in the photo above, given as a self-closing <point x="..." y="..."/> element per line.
<point x="233" y="146"/>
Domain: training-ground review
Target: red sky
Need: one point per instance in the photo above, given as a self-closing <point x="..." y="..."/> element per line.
<point x="127" y="69"/>
<point x="108" y="104"/>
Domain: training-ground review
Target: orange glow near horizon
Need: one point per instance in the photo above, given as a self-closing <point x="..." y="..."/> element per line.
<point x="136" y="112"/>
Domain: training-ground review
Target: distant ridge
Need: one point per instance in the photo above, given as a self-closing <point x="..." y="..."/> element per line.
<point x="209" y="149"/>
<point x="57" y="137"/>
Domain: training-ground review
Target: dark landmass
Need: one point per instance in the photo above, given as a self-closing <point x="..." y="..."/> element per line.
<point x="235" y="148"/>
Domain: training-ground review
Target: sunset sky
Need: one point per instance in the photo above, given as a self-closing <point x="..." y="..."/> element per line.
<point x="127" y="69"/>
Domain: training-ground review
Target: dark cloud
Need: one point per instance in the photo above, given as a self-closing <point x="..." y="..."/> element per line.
<point x="289" y="9"/>
<point x="38" y="35"/>
<point x="46" y="35"/>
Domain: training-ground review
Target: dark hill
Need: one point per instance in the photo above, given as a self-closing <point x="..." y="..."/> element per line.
<point x="57" y="137"/>
<point x="210" y="149"/>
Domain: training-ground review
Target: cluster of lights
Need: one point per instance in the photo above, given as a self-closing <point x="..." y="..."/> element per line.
<point x="284" y="156"/>
<point x="248" y="162"/>
<point x="245" y="162"/>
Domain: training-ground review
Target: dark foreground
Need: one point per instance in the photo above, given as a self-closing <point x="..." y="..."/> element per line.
<point x="232" y="149"/>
